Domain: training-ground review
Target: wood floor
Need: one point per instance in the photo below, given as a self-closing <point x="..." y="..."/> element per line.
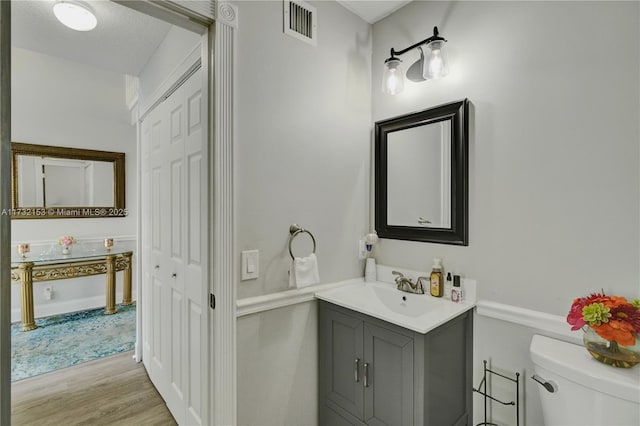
<point x="111" y="391"/>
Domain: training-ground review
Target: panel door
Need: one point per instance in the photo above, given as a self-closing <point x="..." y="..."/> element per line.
<point x="154" y="143"/>
<point x="194" y="232"/>
<point x="176" y="321"/>
<point x="343" y="360"/>
<point x="388" y="396"/>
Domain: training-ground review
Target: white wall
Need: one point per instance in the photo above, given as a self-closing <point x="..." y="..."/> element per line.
<point x="175" y="47"/>
<point x="63" y="103"/>
<point x="302" y="155"/>
<point x="302" y="141"/>
<point x="554" y="155"/>
<point x="278" y="367"/>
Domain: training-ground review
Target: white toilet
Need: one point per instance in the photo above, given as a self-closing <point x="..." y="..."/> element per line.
<point x="586" y="392"/>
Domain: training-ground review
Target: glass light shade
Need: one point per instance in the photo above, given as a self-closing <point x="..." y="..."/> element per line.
<point x="370" y="240"/>
<point x="435" y="63"/>
<point x="392" y="77"/>
<point x="75" y="15"/>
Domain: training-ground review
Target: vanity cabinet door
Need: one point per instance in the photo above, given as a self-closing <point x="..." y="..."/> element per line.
<point x="389" y="387"/>
<point x="401" y="378"/>
<point x="342" y="361"/>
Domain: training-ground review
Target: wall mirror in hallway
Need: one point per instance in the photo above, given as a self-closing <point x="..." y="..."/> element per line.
<point x="58" y="182"/>
<point x="421" y="174"/>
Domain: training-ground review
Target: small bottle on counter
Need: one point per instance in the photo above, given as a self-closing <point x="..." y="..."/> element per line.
<point x="457" y="295"/>
<point x="435" y="279"/>
<point x="448" y="285"/>
<point x="370" y="270"/>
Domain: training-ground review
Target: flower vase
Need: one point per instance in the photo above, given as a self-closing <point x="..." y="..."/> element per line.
<point x="66" y="250"/>
<point x="610" y="352"/>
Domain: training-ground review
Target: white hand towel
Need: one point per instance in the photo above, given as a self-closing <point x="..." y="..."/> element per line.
<point x="304" y="271"/>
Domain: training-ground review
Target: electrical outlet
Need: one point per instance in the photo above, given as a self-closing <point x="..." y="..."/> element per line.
<point x="48" y="292"/>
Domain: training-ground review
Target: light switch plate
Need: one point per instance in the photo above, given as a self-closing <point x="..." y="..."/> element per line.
<point x="250" y="265"/>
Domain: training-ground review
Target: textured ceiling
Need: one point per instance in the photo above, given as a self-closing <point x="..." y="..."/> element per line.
<point x="122" y="42"/>
<point x="373" y="10"/>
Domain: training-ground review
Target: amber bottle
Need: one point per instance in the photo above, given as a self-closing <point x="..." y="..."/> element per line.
<point x="436" y="287"/>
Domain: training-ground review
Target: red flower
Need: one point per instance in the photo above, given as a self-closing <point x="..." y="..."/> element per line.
<point x="622" y="326"/>
<point x="629" y="314"/>
<point x="575" y="315"/>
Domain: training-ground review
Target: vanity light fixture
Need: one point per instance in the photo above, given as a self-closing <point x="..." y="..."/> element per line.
<point x="371" y="240"/>
<point x="75" y="15"/>
<point x="432" y="64"/>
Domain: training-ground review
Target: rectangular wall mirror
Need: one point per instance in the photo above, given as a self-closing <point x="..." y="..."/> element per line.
<point x="421" y="172"/>
<point x="50" y="182"/>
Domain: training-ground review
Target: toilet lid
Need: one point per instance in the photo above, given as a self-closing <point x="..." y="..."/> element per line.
<point x="574" y="363"/>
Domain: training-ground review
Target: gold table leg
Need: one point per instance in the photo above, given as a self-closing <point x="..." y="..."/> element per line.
<point x="126" y="289"/>
<point x="26" y="293"/>
<point x="110" y="307"/>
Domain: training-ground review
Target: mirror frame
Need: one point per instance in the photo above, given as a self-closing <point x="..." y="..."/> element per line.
<point x="458" y="113"/>
<point x="40" y="212"/>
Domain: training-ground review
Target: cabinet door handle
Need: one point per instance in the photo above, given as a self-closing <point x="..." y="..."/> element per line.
<point x="356" y="370"/>
<point x="366" y="374"/>
<point x="174" y="275"/>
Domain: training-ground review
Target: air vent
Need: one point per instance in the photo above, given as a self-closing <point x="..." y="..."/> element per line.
<point x="300" y="20"/>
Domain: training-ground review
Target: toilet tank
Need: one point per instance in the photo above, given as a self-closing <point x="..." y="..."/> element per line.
<point x="589" y="393"/>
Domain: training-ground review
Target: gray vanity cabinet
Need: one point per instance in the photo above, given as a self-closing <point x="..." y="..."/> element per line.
<point x="345" y="351"/>
<point x="388" y="393"/>
<point x="376" y="373"/>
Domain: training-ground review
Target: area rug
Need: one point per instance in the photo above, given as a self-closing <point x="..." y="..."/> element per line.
<point x="61" y="341"/>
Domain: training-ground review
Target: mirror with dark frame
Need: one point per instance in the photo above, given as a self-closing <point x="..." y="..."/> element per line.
<point x="421" y="175"/>
<point x="50" y="182"/>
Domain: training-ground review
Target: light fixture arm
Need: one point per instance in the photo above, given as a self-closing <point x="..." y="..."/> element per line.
<point x="434" y="37"/>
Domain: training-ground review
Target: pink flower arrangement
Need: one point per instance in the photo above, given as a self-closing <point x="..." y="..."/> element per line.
<point x="66" y="240"/>
<point x="612" y="317"/>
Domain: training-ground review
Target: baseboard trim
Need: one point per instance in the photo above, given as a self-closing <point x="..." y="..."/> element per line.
<point x="545" y="323"/>
<point x="548" y="324"/>
<point x="281" y="299"/>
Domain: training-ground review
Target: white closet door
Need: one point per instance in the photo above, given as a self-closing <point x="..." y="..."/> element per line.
<point x="195" y="232"/>
<point x="175" y="302"/>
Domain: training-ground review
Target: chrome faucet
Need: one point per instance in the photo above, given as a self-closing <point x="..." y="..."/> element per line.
<point x="405" y="283"/>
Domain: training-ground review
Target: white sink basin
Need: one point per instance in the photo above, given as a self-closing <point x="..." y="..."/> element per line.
<point x="400" y="302"/>
<point x="418" y="312"/>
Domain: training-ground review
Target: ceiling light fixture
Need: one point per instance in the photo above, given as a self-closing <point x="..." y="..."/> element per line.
<point x="75" y="15"/>
<point x="432" y="64"/>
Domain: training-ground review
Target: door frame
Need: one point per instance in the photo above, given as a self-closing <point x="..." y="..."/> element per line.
<point x="5" y="220"/>
<point x="221" y="237"/>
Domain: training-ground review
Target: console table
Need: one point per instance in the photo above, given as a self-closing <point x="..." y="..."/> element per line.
<point x="84" y="260"/>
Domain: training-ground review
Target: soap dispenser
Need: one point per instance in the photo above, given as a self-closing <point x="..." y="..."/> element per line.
<point x="435" y="279"/>
<point x="370" y="265"/>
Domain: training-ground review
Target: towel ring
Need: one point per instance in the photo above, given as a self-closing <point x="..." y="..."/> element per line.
<point x="294" y="231"/>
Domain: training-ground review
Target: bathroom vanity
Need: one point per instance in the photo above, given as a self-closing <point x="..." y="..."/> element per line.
<point x="393" y="358"/>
